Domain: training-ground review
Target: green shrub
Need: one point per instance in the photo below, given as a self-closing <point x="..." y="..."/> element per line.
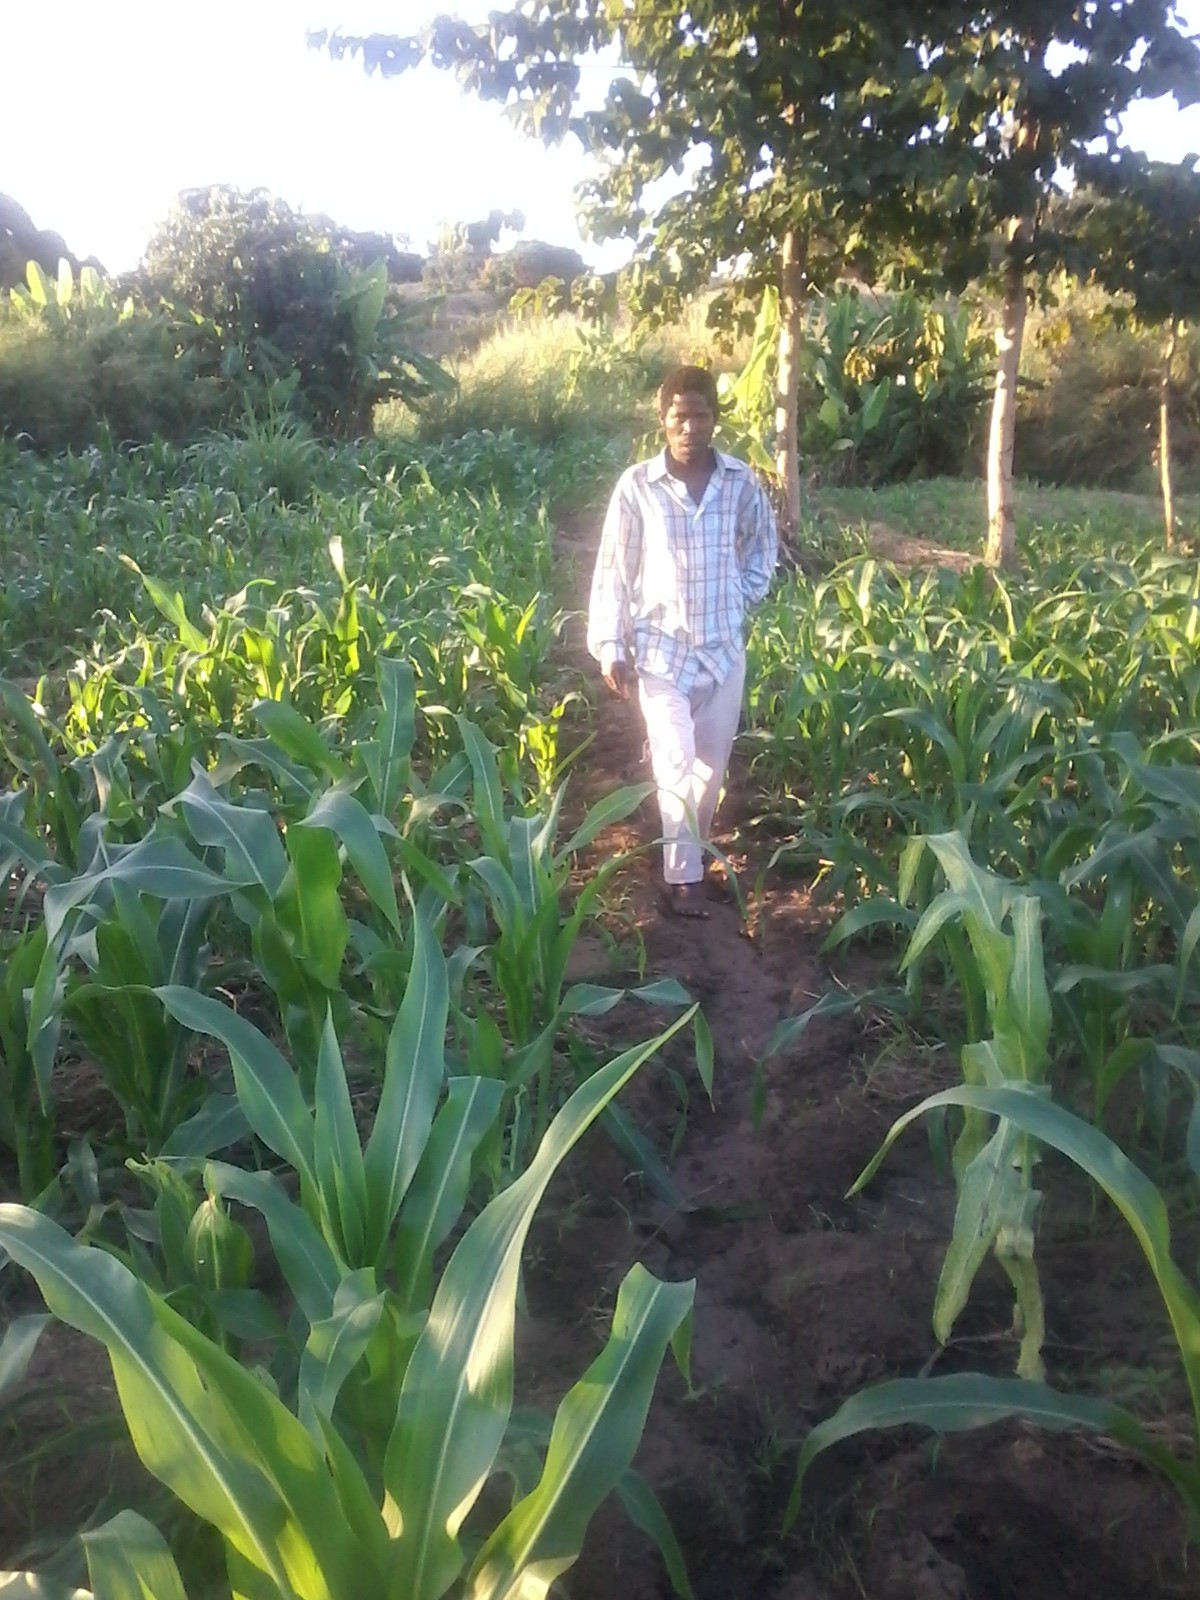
<point x="67" y="386"/>
<point x="1088" y="405"/>
<point x="259" y="293"/>
<point x="892" y="387"/>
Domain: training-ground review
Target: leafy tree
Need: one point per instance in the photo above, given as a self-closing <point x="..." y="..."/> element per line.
<point x="818" y="135"/>
<point x="478" y="237"/>
<point x="260" y="293"/>
<point x="801" y="132"/>
<point x="1135" y="224"/>
<point x="1021" y="92"/>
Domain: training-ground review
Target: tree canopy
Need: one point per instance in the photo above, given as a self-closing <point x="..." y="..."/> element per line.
<point x="796" y="140"/>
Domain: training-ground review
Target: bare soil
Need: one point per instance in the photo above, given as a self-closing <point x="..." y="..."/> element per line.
<point x="802" y="1296"/>
<point x="889" y="544"/>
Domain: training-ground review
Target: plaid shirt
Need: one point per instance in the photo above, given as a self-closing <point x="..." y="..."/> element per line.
<point x="674" y="580"/>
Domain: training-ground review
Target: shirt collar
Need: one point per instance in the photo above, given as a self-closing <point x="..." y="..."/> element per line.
<point x="656" y="468"/>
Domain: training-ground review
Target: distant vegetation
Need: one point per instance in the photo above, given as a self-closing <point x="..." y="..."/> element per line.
<point x="243" y="308"/>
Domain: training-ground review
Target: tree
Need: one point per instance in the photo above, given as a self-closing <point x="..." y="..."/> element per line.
<point x="800" y="131"/>
<point x="261" y="292"/>
<point x="477" y="238"/>
<point x="1136" y="230"/>
<point x="816" y="135"/>
<point x="1024" y="91"/>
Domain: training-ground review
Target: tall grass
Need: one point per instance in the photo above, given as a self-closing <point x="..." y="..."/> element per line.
<point x="526" y="376"/>
<point x="550" y="378"/>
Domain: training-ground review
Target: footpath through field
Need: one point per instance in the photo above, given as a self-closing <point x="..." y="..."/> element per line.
<point x="802" y="1297"/>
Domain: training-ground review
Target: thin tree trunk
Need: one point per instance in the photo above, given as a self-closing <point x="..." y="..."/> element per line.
<point x="1001" y="545"/>
<point x="787" y="383"/>
<point x="1164" y="435"/>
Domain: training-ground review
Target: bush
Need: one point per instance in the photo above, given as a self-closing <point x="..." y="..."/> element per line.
<point x="1088" y="404"/>
<point x="259" y="293"/>
<point x="65" y="387"/>
<point x="891" y="388"/>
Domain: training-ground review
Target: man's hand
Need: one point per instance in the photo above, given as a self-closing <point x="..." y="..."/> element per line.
<point x="616" y="676"/>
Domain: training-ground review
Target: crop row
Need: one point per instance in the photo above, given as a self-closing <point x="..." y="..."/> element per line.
<point x="1002" y="773"/>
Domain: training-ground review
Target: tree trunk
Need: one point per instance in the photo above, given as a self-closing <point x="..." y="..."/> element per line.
<point x="1001" y="546"/>
<point x="1164" y="435"/>
<point x="787" y="383"/>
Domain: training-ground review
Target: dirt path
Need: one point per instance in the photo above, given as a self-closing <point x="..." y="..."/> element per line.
<point x="802" y="1296"/>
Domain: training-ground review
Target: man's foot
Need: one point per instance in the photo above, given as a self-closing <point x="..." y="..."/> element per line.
<point x="685" y="900"/>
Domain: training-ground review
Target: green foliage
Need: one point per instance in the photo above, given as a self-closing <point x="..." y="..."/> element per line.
<point x="55" y="301"/>
<point x="891" y="389"/>
<point x="1088" y="410"/>
<point x="1007" y="124"/>
<point x="304" y="1503"/>
<point x="971" y="1400"/>
<point x="515" y="379"/>
<point x="259" y="293"/>
<point x="416" y="527"/>
<point x="26" y="1124"/>
<point x="1002" y="976"/>
<point x="1008" y="1115"/>
<point x="550" y="298"/>
<point x="1136" y="227"/>
<point x="882" y="701"/>
<point x="82" y="383"/>
<point x="811" y="120"/>
<point x="745" y="420"/>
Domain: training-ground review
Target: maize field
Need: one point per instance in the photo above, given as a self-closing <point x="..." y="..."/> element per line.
<point x="393" y="1204"/>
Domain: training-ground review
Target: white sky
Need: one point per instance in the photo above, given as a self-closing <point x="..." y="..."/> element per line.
<point x="109" y="107"/>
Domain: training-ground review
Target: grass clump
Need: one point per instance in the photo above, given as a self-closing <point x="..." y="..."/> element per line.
<point x="545" y="378"/>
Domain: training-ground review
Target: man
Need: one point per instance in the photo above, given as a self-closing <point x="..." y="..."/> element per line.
<point x="688" y="547"/>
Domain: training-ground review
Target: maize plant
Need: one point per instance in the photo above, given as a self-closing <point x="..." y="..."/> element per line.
<point x="306" y="1508"/>
<point x="969" y="1400"/>
<point x="1003" y="969"/>
<point x="524" y="917"/>
<point x="1007" y="1116"/>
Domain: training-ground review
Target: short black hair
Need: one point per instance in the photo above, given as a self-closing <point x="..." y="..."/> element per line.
<point x="688" y="380"/>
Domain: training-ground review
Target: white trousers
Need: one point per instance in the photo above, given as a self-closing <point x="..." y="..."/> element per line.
<point x="690" y="736"/>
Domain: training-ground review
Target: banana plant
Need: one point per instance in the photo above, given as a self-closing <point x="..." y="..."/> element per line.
<point x="746" y="398"/>
<point x="304" y="1511"/>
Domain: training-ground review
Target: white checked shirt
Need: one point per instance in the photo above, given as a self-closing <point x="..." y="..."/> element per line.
<point x="674" y="580"/>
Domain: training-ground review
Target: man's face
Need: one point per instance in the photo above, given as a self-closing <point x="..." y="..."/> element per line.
<point x="688" y="424"/>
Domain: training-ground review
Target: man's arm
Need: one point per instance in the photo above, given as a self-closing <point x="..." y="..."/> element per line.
<point x="757" y="544"/>
<point x="613" y="581"/>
